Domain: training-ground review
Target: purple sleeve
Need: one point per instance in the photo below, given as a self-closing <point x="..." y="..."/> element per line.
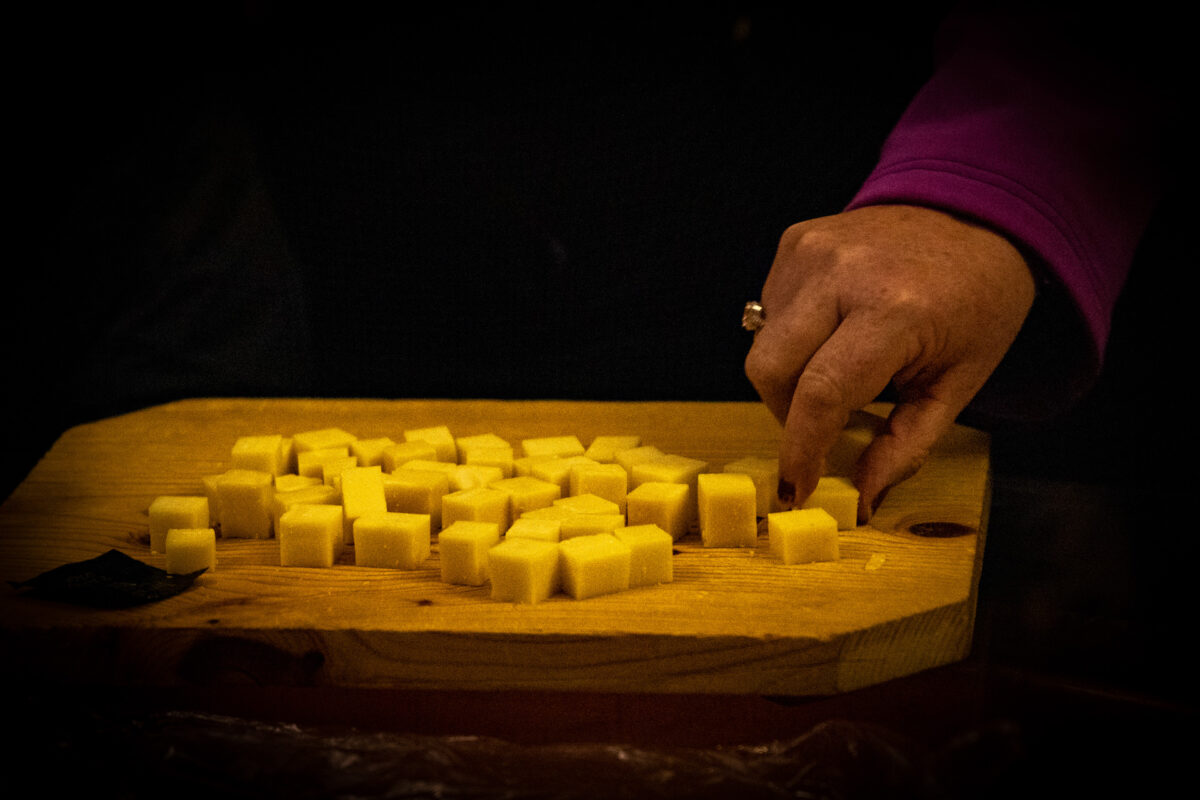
<point x="1058" y="153"/>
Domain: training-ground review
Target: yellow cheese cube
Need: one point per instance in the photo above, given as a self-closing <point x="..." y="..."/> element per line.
<point x="727" y="503"/>
<point x="362" y="493"/>
<point x="175" y="511"/>
<point x="636" y="455"/>
<point x="609" y="481"/>
<point x="415" y="491"/>
<point x="589" y="524"/>
<point x="802" y="536"/>
<point x="391" y="540"/>
<point x="309" y="535"/>
<point x="190" y="550"/>
<point x="291" y="482"/>
<point x="563" y="446"/>
<point x="440" y="437"/>
<point x="604" y="448"/>
<point x="209" y="482"/>
<point x="322" y="439"/>
<point x="244" y="497"/>
<point x="487" y="441"/>
<point x="662" y="504"/>
<point x="557" y="470"/>
<point x="468" y="476"/>
<point x="524" y="465"/>
<point x="670" y="468"/>
<point x="287" y="450"/>
<point x="332" y="469"/>
<point x="594" y="565"/>
<point x="259" y="453"/>
<point x="463" y="549"/>
<point x="479" y="504"/>
<point x="500" y="458"/>
<point x="765" y="474"/>
<point x="319" y="494"/>
<point x="651" y="550"/>
<point x="547" y="530"/>
<point x="311" y="462"/>
<point x="587" y="504"/>
<point x="524" y="570"/>
<point x="397" y="455"/>
<point x="369" y="452"/>
<point x="837" y="496"/>
<point x="527" y="493"/>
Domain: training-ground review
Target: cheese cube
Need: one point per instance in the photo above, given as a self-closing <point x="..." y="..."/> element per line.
<point x="209" y="482"/>
<point x="557" y="470"/>
<point x="527" y="493"/>
<point x="369" y="452"/>
<point x="609" y="481"/>
<point x="362" y="493"/>
<point x="636" y="455"/>
<point x="524" y="570"/>
<point x="468" y="476"/>
<point x="837" y="496"/>
<point x="415" y="491"/>
<point x="322" y="439"/>
<point x="589" y="524"/>
<point x="311" y="462"/>
<point x="440" y="437"/>
<point x="587" y="504"/>
<point x="244" y="497"/>
<point x="604" y="448"/>
<point x="499" y="457"/>
<point x="479" y="504"/>
<point x="332" y="469"/>
<point x="765" y="474"/>
<point x="547" y="530"/>
<point x="594" y="565"/>
<point x="670" y="468"/>
<point x="175" y="511"/>
<point x="290" y="482"/>
<point x="524" y="465"/>
<point x="662" y="504"/>
<point x="287" y="451"/>
<point x="727" y="503"/>
<point x="651" y="550"/>
<point x="320" y="494"/>
<point x="260" y="453"/>
<point x="463" y="549"/>
<point x="447" y="468"/>
<point x="190" y="550"/>
<point x="563" y="446"/>
<point x="391" y="540"/>
<point x="802" y="536"/>
<point x="309" y="535"/>
<point x="397" y="455"/>
<point x="487" y="441"/>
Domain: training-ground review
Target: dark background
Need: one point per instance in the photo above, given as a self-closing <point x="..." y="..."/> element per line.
<point x="552" y="202"/>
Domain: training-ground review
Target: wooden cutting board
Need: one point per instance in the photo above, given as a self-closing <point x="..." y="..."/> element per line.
<point x="734" y="621"/>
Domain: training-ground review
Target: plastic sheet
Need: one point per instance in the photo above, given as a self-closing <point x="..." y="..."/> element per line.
<point x="189" y="754"/>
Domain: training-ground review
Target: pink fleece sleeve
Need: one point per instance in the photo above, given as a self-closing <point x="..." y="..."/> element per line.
<point x="1032" y="134"/>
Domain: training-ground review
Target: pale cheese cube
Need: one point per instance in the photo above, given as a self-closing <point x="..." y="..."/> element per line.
<point x="176" y="511"/>
<point x="803" y="535"/>
<point x="244" y="497"/>
<point x="587" y="504"/>
<point x="463" y="549"/>
<point x="527" y="493"/>
<point x="479" y="504"/>
<point x="563" y="446"/>
<point x="651" y="551"/>
<point x="415" y="491"/>
<point x="322" y="439"/>
<point x="291" y="482"/>
<point x="440" y="437"/>
<point x="636" y="455"/>
<point x="546" y="530"/>
<point x="332" y="469"/>
<point x="392" y="540"/>
<point x="362" y="493"/>
<point x="727" y="503"/>
<point x="609" y="481"/>
<point x="670" y="468"/>
<point x="589" y="524"/>
<point x="524" y="465"/>
<point x="594" y="565"/>
<point x="469" y="476"/>
<point x="765" y="474"/>
<point x="663" y="504"/>
<point x="369" y="452"/>
<point x="311" y="462"/>
<point x="524" y="570"/>
<point x="316" y="495"/>
<point x="399" y="454"/>
<point x="557" y="470"/>
<point x="604" y="448"/>
<point x="309" y="535"/>
<point x="837" y="496"/>
<point x="259" y="453"/>
<point x="488" y="441"/>
<point x="190" y="550"/>
<point x="500" y="458"/>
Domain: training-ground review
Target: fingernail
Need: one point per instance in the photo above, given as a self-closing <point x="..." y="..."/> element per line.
<point x="787" y="493"/>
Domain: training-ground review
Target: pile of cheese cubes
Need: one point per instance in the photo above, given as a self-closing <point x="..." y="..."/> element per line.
<point x="546" y="516"/>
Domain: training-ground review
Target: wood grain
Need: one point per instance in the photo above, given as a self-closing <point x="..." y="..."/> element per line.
<point x="734" y="621"/>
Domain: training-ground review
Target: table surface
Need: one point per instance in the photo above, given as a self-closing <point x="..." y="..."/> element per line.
<point x="734" y="621"/>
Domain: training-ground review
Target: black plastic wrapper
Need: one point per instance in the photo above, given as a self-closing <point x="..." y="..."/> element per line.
<point x="191" y="755"/>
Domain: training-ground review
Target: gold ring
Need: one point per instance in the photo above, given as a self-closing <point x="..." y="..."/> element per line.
<point x="753" y="316"/>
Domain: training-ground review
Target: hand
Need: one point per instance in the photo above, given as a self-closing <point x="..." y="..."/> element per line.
<point x="881" y="294"/>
